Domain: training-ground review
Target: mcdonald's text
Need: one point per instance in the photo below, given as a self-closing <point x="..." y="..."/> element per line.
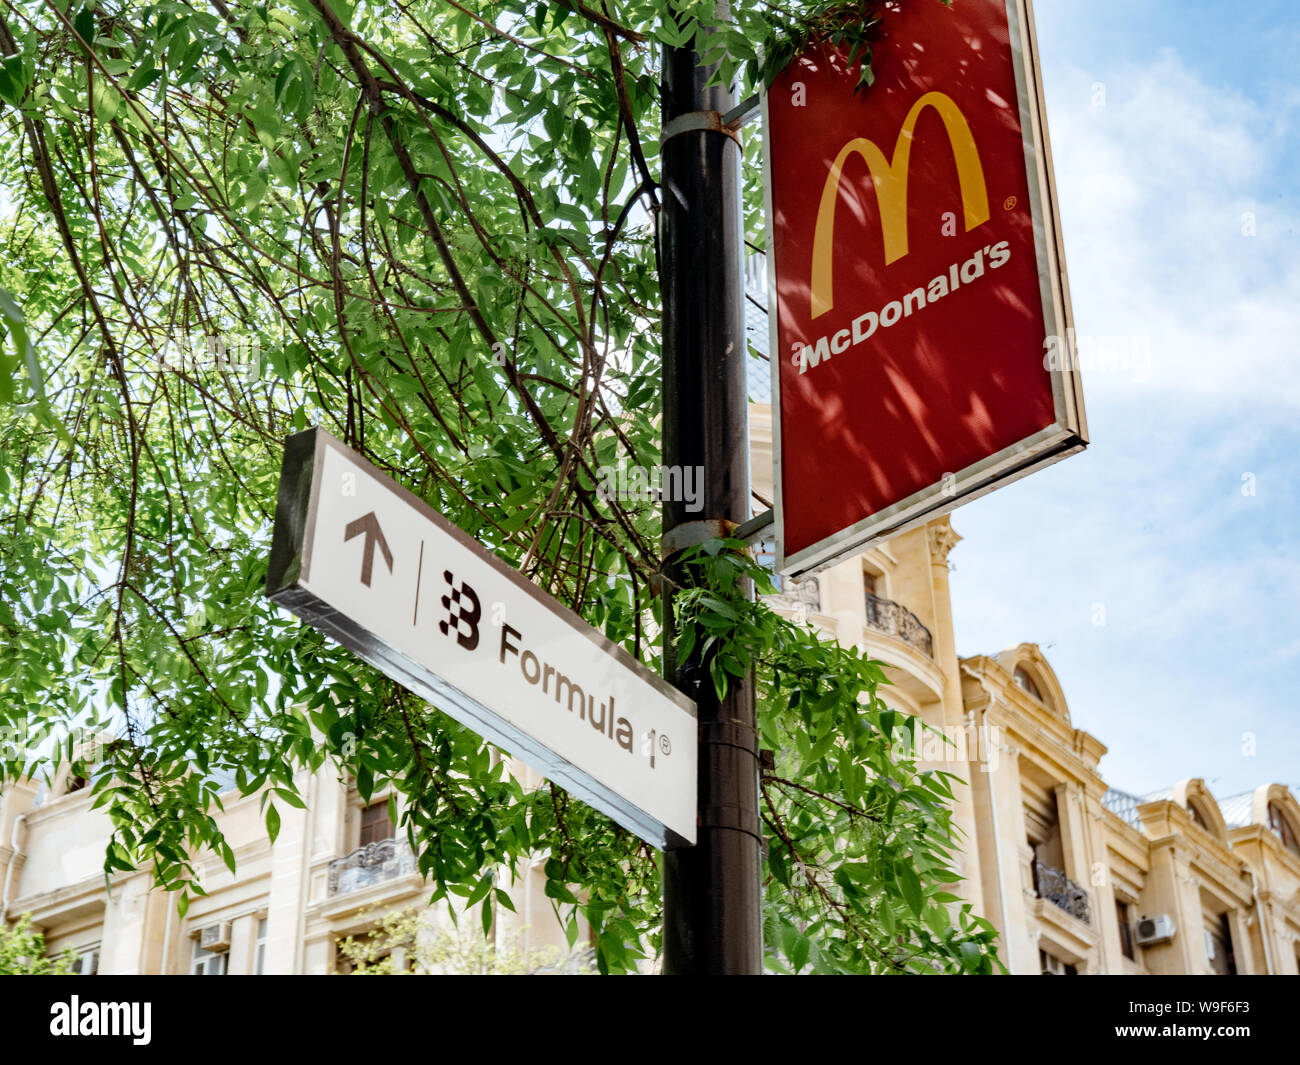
<point x="865" y="325"/>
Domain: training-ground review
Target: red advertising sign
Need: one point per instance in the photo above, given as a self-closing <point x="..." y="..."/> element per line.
<point x="917" y="284"/>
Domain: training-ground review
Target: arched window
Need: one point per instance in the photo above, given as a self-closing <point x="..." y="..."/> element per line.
<point x="1026" y="683"/>
<point x="1282" y="827"/>
<point x="1197" y="817"/>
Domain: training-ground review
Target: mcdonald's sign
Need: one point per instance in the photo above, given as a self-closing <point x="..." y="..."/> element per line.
<point x="916" y="279"/>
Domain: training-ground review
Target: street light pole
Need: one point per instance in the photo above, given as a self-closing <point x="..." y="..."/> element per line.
<point x="712" y="916"/>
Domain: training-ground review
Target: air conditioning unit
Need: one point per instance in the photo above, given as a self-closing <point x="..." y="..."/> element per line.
<point x="215" y="937"/>
<point x="1158" y="929"/>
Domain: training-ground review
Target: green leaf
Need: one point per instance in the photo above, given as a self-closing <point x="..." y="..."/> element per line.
<point x="909" y="884"/>
<point x="799" y="956"/>
<point x="84" y="23"/>
<point x="291" y="798"/>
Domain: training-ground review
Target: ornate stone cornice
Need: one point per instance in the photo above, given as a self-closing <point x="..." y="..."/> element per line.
<point x="942" y="538"/>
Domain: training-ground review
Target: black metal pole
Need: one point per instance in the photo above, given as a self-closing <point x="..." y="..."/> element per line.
<point x="712" y="921"/>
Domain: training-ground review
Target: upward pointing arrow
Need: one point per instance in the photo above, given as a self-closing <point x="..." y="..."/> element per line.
<point x="368" y="525"/>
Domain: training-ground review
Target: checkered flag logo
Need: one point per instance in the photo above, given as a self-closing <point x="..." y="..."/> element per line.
<point x="463" y="612"/>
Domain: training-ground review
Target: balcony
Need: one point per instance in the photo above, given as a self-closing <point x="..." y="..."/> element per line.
<point x="1058" y="889"/>
<point x="385" y="859"/>
<point x="893" y="619"/>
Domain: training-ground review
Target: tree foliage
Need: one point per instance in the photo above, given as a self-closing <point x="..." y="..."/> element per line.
<point x="22" y="952"/>
<point x="428" y="226"/>
<point x="424" y="942"/>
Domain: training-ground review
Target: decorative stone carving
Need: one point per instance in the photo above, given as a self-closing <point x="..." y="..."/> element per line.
<point x="942" y="538"/>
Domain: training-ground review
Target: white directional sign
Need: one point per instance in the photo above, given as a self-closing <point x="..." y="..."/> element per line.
<point x="362" y="559"/>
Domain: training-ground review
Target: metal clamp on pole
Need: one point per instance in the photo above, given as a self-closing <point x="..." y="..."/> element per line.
<point x="691" y="533"/>
<point x="711" y="121"/>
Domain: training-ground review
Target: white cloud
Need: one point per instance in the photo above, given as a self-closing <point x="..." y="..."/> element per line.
<point x="1199" y="588"/>
<point x="1156" y="189"/>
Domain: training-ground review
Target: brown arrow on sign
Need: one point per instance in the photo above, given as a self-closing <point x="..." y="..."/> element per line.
<point x="368" y="525"/>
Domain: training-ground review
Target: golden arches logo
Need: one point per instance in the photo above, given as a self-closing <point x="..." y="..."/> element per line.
<point x="890" y="179"/>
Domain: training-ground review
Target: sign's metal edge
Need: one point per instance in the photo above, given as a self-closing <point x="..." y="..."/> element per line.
<point x="318" y="465"/>
<point x="773" y="342"/>
<point x="1046" y="257"/>
<point x="1071" y="379"/>
<point x="293" y="501"/>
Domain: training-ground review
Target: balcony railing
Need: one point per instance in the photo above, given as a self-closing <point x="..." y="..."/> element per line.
<point x="894" y="619"/>
<point x="1058" y="889"/>
<point x="385" y="859"/>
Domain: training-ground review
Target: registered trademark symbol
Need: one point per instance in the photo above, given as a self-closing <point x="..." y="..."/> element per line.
<point x="664" y="745"/>
<point x="1009" y="203"/>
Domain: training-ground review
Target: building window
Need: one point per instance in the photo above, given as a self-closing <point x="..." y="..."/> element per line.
<point x="1125" y="930"/>
<point x="375" y="823"/>
<point x="1218" y="945"/>
<point x="869" y="583"/>
<point x="1283" y="828"/>
<point x="1026" y="683"/>
<point x="206" y="963"/>
<point x="87" y="961"/>
<point x="1197" y="819"/>
<point x="371" y="954"/>
<point x="1051" y="965"/>
<point x="259" y="952"/>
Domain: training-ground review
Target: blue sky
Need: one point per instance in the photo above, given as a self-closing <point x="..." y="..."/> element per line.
<point x="1174" y="131"/>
